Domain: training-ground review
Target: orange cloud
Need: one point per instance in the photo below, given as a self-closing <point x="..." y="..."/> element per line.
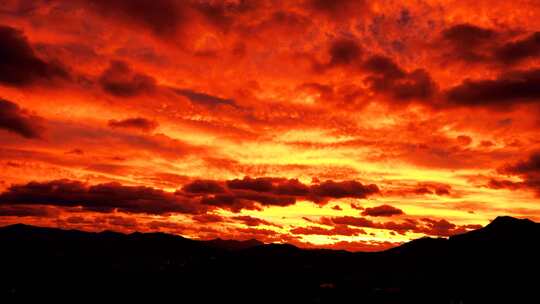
<point x="242" y="119"/>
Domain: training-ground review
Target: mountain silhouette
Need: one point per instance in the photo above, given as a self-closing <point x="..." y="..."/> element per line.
<point x="496" y="262"/>
<point x="502" y="229"/>
<point x="233" y="244"/>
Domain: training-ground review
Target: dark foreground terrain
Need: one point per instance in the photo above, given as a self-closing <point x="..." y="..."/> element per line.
<point x="498" y="263"/>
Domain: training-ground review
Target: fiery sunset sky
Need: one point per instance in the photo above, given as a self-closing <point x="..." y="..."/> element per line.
<point x="345" y="124"/>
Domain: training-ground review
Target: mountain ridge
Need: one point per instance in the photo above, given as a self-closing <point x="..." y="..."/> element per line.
<point x="491" y="262"/>
<point x="500" y="226"/>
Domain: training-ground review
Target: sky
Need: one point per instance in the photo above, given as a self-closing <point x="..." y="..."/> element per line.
<point x="345" y="124"/>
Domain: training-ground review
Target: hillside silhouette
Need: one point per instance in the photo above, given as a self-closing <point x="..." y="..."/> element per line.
<point x="499" y="261"/>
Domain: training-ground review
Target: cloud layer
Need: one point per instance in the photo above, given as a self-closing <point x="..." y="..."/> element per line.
<point x="335" y="124"/>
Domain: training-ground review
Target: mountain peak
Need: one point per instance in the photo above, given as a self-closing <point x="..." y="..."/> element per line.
<point x="502" y="228"/>
<point x="509" y="222"/>
<point x="16" y="226"/>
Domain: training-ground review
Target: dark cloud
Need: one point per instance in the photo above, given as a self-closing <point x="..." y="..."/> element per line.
<point x="204" y="186"/>
<point x="468" y="35"/>
<point x="464" y="140"/>
<point x="356" y="206"/>
<point x="221" y="14"/>
<point x="237" y="194"/>
<point x="505" y="184"/>
<point x="23" y="211"/>
<point x="422" y="191"/>
<point x="337" y="10"/>
<point x="121" y="81"/>
<point x="167" y="19"/>
<point x="384" y="66"/>
<point x="266" y="199"/>
<point x="287" y="190"/>
<point x="507" y="89"/>
<point x="344" y="52"/>
<point x="515" y="51"/>
<point x="134" y="123"/>
<point x="382" y="210"/>
<point x="254" y="184"/>
<point x="162" y="17"/>
<point x="122" y="221"/>
<point x="386" y="77"/>
<point x="331" y="189"/>
<point x="230" y="202"/>
<point x="19" y="121"/>
<point x="174" y="226"/>
<point x="292" y="187"/>
<point x="474" y="44"/>
<point x="350" y="220"/>
<point x="280" y="186"/>
<point x="216" y="13"/>
<point x="469" y="43"/>
<point x="528" y="167"/>
<point x="486" y="143"/>
<point x="435" y="227"/>
<point x="19" y="64"/>
<point x="528" y="170"/>
<point x="208" y="218"/>
<point x="442" y="191"/>
<point x="252" y="193"/>
<point x="100" y="198"/>
<point x="259" y="234"/>
<point x="440" y="227"/>
<point x="203" y="98"/>
<point x="77" y="220"/>
<point x="408" y="225"/>
<point x="253" y="221"/>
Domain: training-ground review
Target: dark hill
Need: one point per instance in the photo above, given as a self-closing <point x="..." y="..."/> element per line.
<point x="233" y="244"/>
<point x="499" y="261"/>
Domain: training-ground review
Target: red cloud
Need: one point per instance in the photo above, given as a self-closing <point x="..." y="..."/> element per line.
<point x="19" y="64"/>
<point x="16" y="120"/>
<point x="121" y="81"/>
<point x="382" y="210"/>
<point x="469" y="42"/>
<point x="436" y="227"/>
<point x="362" y="96"/>
<point x="337" y="10"/>
<point x="253" y="221"/>
<point x="528" y="170"/>
<point x="475" y="44"/>
<point x="338" y="230"/>
<point x="208" y="218"/>
<point x="134" y="123"/>
<point x="343" y="52"/>
<point x="388" y="78"/>
<point x="27" y="210"/>
<point x="162" y="17"/>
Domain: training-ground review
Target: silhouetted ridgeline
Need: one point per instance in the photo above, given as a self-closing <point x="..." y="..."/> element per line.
<point x="494" y="263"/>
